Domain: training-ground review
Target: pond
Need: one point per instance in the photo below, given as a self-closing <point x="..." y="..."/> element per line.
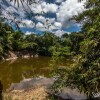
<point x="16" y="70"/>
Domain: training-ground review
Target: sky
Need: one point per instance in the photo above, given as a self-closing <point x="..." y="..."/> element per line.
<point x="44" y="15"/>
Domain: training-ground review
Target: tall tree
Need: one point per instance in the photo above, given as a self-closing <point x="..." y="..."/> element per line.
<point x="86" y="72"/>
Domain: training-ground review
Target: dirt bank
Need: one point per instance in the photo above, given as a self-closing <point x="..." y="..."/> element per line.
<point x="19" y="54"/>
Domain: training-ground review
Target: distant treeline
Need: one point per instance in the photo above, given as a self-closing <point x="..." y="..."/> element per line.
<point x="46" y="44"/>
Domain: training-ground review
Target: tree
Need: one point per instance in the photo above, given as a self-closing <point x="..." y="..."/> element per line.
<point x="88" y="66"/>
<point x="47" y="40"/>
<point x="76" y="39"/>
<point x="6" y="36"/>
<point x="85" y="75"/>
<point x="28" y="1"/>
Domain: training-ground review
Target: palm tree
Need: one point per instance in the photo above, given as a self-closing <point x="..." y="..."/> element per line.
<point x="30" y="1"/>
<point x="22" y="1"/>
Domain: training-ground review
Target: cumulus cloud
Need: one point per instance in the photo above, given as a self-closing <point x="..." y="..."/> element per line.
<point x="44" y="19"/>
<point x="37" y="9"/>
<point x="28" y="33"/>
<point x="58" y="25"/>
<point x="40" y="18"/>
<point x="51" y="8"/>
<point x="27" y="23"/>
<point x="46" y="23"/>
<point x="67" y="10"/>
<point x="41" y="14"/>
<point x="44" y="7"/>
<point x="48" y="26"/>
<point x="40" y="26"/>
<point x="59" y="33"/>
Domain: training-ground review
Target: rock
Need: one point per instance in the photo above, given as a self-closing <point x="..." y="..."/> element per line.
<point x="72" y="94"/>
<point x="36" y="56"/>
<point x="31" y="83"/>
<point x="11" y="56"/>
<point x="26" y="56"/>
<point x="66" y="94"/>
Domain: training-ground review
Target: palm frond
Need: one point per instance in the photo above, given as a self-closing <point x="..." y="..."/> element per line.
<point x="22" y="1"/>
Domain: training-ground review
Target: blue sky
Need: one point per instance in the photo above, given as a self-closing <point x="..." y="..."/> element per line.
<point x="44" y="15"/>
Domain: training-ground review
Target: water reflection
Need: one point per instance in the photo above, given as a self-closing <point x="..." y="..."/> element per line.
<point x="16" y="70"/>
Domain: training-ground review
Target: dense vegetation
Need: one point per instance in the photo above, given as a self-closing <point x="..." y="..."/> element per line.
<point x="46" y="44"/>
<point x="83" y="46"/>
<point x="85" y="74"/>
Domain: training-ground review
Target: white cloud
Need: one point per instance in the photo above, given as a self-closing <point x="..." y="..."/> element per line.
<point x="51" y="20"/>
<point x="58" y="25"/>
<point x="64" y="11"/>
<point x="52" y="27"/>
<point x="48" y="26"/>
<point x="59" y="33"/>
<point x="37" y="9"/>
<point x="67" y="10"/>
<point x="44" y="19"/>
<point x="27" y="23"/>
<point x="40" y="18"/>
<point x="46" y="23"/>
<point x="40" y="26"/>
<point x="51" y="8"/>
<point x="28" y="33"/>
<point x="44" y="7"/>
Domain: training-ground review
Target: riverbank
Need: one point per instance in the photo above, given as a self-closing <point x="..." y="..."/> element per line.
<point x="29" y="89"/>
<point x="39" y="89"/>
<point x="14" y="55"/>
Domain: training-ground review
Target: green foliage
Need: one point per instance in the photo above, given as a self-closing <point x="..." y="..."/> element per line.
<point x="6" y="33"/>
<point x="46" y="44"/>
<point x="85" y="75"/>
<point x="76" y="39"/>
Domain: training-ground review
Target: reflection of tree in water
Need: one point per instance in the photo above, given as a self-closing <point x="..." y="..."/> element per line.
<point x="15" y="71"/>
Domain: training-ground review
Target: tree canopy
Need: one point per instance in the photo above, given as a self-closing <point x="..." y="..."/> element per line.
<point x="84" y="46"/>
<point x="86" y="72"/>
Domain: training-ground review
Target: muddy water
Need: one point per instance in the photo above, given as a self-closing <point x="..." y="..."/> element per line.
<point x="16" y="70"/>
